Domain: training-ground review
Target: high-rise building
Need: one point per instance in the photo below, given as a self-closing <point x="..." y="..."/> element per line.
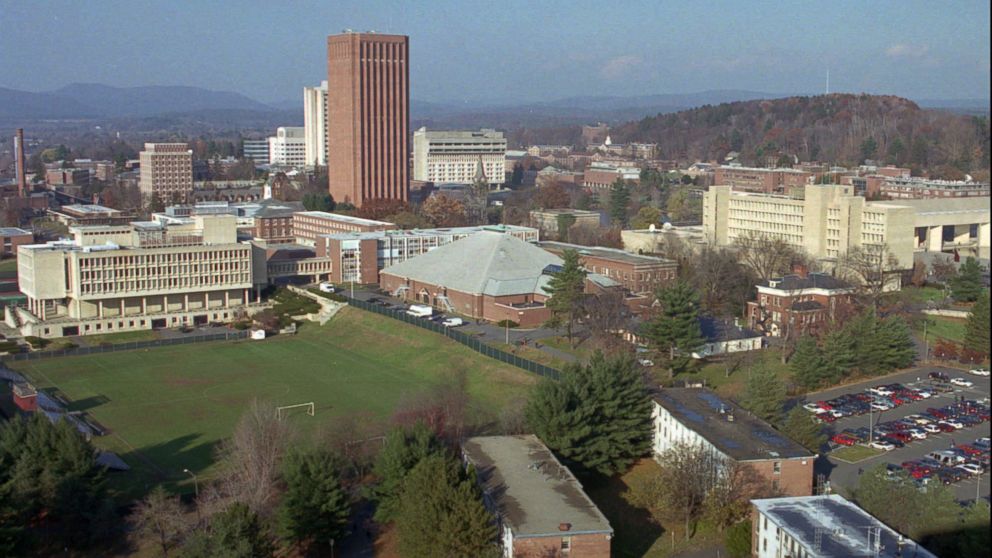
<point x="288" y="148"/>
<point x="256" y="150"/>
<point x="368" y="101"/>
<point x="315" y="124"/>
<point x="167" y="171"/>
<point x="441" y="156"/>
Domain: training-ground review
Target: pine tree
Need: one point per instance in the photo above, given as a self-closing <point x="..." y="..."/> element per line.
<point x="619" y="201"/>
<point x="895" y="344"/>
<point x="597" y="416"/>
<point x="764" y="394"/>
<point x="315" y="506"/>
<point x="807" y="364"/>
<point x="441" y="513"/>
<point x="977" y="330"/>
<point x="404" y="448"/>
<point x="675" y="331"/>
<point x="838" y="355"/>
<point x="966" y="286"/>
<point x="800" y="427"/>
<point x="566" y="289"/>
<point x="236" y="532"/>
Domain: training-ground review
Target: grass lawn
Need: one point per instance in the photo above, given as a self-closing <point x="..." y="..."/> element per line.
<point x="853" y="454"/>
<point x="942" y="327"/>
<point x="168" y="407"/>
<point x="8" y="267"/>
<point x="921" y="295"/>
<point x="714" y="372"/>
<point x="115" y="338"/>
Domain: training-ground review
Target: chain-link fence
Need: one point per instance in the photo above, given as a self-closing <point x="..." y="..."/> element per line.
<point x="129" y="346"/>
<point x="469" y="341"/>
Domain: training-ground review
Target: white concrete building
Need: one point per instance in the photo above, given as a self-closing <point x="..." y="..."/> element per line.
<point x="315" y="124"/>
<point x="445" y="156"/>
<point x="288" y="147"/>
<point x="256" y="150"/>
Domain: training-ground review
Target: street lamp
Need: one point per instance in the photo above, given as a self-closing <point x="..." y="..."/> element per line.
<point x="196" y="485"/>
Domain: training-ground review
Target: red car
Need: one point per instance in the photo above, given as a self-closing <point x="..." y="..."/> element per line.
<point x="970" y="450"/>
<point x="937" y="413"/>
<point x="824" y="405"/>
<point x="901" y="436"/>
<point x="944" y="427"/>
<point x="844" y="440"/>
<point x="825" y="417"/>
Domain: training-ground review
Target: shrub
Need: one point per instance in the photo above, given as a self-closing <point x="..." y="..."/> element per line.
<point x="9" y="347"/>
<point x="507" y="323"/>
<point x="37" y="342"/>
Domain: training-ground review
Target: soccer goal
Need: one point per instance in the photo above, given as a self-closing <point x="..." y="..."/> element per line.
<point x="311" y="408"/>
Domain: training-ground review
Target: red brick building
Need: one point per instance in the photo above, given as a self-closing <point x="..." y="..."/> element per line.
<point x="768" y="181"/>
<point x="540" y="506"/>
<point x="698" y="416"/>
<point x="274" y="221"/>
<point x="368" y="115"/>
<point x="797" y="304"/>
<point x="309" y="225"/>
<point x="11" y="238"/>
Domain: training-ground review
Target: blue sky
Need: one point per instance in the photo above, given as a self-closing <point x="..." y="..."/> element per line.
<point x="509" y="51"/>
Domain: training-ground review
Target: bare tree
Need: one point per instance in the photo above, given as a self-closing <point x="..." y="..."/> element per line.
<point x="251" y="457"/>
<point x="689" y="472"/>
<point x="729" y="500"/>
<point x="872" y="267"/>
<point x="606" y="317"/>
<point x="160" y="516"/>
<point x="767" y="256"/>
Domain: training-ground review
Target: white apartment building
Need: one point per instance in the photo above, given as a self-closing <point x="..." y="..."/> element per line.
<point x="315" y="124"/>
<point x="288" y="147"/>
<point x="825" y="221"/>
<point x="256" y="150"/>
<point x="446" y="156"/>
<point x="166" y="171"/>
<point x="143" y="275"/>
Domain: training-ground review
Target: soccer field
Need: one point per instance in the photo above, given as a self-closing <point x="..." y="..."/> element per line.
<point x="167" y="407"/>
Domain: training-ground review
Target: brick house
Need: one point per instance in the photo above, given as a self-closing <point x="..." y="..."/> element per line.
<point x="11" y="238"/>
<point x="274" y="221"/>
<point x="799" y="303"/>
<point x="540" y="506"/>
<point x="699" y="416"/>
<point x="767" y="181"/>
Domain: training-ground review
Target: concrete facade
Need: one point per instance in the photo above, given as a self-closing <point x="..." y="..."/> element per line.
<point x="547" y="219"/>
<point x="368" y="102"/>
<point x="447" y="156"/>
<point x="315" y="124"/>
<point x="166" y="171"/>
<point x="288" y="147"/>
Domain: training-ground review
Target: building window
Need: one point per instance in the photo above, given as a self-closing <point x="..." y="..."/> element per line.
<point x="777" y="467"/>
<point x="566" y="544"/>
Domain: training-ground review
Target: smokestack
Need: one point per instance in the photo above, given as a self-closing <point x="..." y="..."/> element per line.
<point x="22" y="180"/>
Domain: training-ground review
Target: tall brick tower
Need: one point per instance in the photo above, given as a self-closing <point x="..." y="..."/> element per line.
<point x="368" y="117"/>
<point x="19" y="164"/>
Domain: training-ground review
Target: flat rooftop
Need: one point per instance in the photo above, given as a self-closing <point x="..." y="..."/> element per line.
<point x="342" y="218"/>
<point x="937" y="206"/>
<point x="843" y="528"/>
<point x="533" y="493"/>
<point x="12" y="231"/>
<point x="428" y="232"/>
<point x="604" y="253"/>
<point x="732" y="430"/>
<point x="91" y="209"/>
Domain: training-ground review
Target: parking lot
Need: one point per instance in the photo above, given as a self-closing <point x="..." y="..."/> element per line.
<point x="844" y="475"/>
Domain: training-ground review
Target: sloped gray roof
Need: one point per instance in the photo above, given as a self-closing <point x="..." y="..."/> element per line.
<point x="487" y="262"/>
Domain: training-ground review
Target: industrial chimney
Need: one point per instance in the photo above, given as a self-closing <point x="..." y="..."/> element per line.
<point x="19" y="166"/>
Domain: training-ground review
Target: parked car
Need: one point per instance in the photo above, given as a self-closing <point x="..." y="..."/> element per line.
<point x="453" y="322"/>
<point x="844" y="440"/>
<point x="938" y="376"/>
<point x="812" y="407"/>
<point x="970" y="450"/>
<point x="979" y="371"/>
<point x="983" y="443"/>
<point x="917" y="433"/>
<point x="962" y="382"/>
<point x="971" y="468"/>
<point x="882" y="445"/>
<point x="931" y="428"/>
<point x="953" y="422"/>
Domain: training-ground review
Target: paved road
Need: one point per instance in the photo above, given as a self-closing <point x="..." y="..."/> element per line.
<point x="845" y="475"/>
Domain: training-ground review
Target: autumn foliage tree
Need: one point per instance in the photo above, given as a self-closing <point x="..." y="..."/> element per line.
<point x="444" y="211"/>
<point x="380" y="208"/>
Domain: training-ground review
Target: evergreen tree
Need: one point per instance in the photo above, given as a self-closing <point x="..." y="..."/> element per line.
<point x="764" y="394"/>
<point x="807" y="364"/>
<point x="966" y="286"/>
<point x="315" y="506"/>
<point x="895" y="344"/>
<point x="598" y="416"/>
<point x="236" y="532"/>
<point x="566" y="289"/>
<point x="675" y="331"/>
<point x="619" y="201"/>
<point x="404" y="448"/>
<point x="799" y="426"/>
<point x="441" y="512"/>
<point x="838" y="355"/>
<point x="977" y="330"/>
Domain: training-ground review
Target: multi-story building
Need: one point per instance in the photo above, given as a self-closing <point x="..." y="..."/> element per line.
<point x="67" y="177"/>
<point x="917" y="188"/>
<point x="308" y="226"/>
<point x="11" y="238"/>
<point x="441" y="156"/>
<point x="541" y="508"/>
<point x="768" y="181"/>
<point x="637" y="274"/>
<point x="700" y="417"/>
<point x="547" y="220"/>
<point x="273" y="221"/>
<point x="826" y="526"/>
<point x="143" y="275"/>
<point x="601" y="176"/>
<point x="288" y="147"/>
<point x="315" y="124"/>
<point x="802" y="303"/>
<point x="78" y="214"/>
<point x="824" y="221"/>
<point x="257" y="150"/>
<point x="167" y="171"/>
<point x="368" y="102"/>
<point x="359" y="256"/>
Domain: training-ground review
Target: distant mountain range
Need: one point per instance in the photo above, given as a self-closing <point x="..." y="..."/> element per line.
<point x="95" y="101"/>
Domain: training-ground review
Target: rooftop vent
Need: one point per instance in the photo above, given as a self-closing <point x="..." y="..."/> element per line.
<point x="564" y="526"/>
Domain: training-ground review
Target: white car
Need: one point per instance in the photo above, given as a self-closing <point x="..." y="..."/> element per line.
<point x="813" y="408"/>
<point x="931" y="428"/>
<point x="979" y="371"/>
<point x="962" y="382"/>
<point x="953" y="422"/>
<point x="971" y="468"/>
<point x="453" y="322"/>
<point x="326" y="287"/>
<point x="880" y="390"/>
<point x="916" y="433"/>
<point x="882" y="445"/>
<point x="918" y="419"/>
<point x="646" y="362"/>
<point x="924" y="393"/>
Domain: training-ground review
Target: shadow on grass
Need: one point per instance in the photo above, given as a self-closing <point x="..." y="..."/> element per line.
<point x="634" y="529"/>
<point x="88" y="403"/>
<point x="164" y="464"/>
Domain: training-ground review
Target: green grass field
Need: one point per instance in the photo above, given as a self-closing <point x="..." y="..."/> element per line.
<point x="168" y="407"/>
<point x="853" y="454"/>
<point x="942" y="327"/>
